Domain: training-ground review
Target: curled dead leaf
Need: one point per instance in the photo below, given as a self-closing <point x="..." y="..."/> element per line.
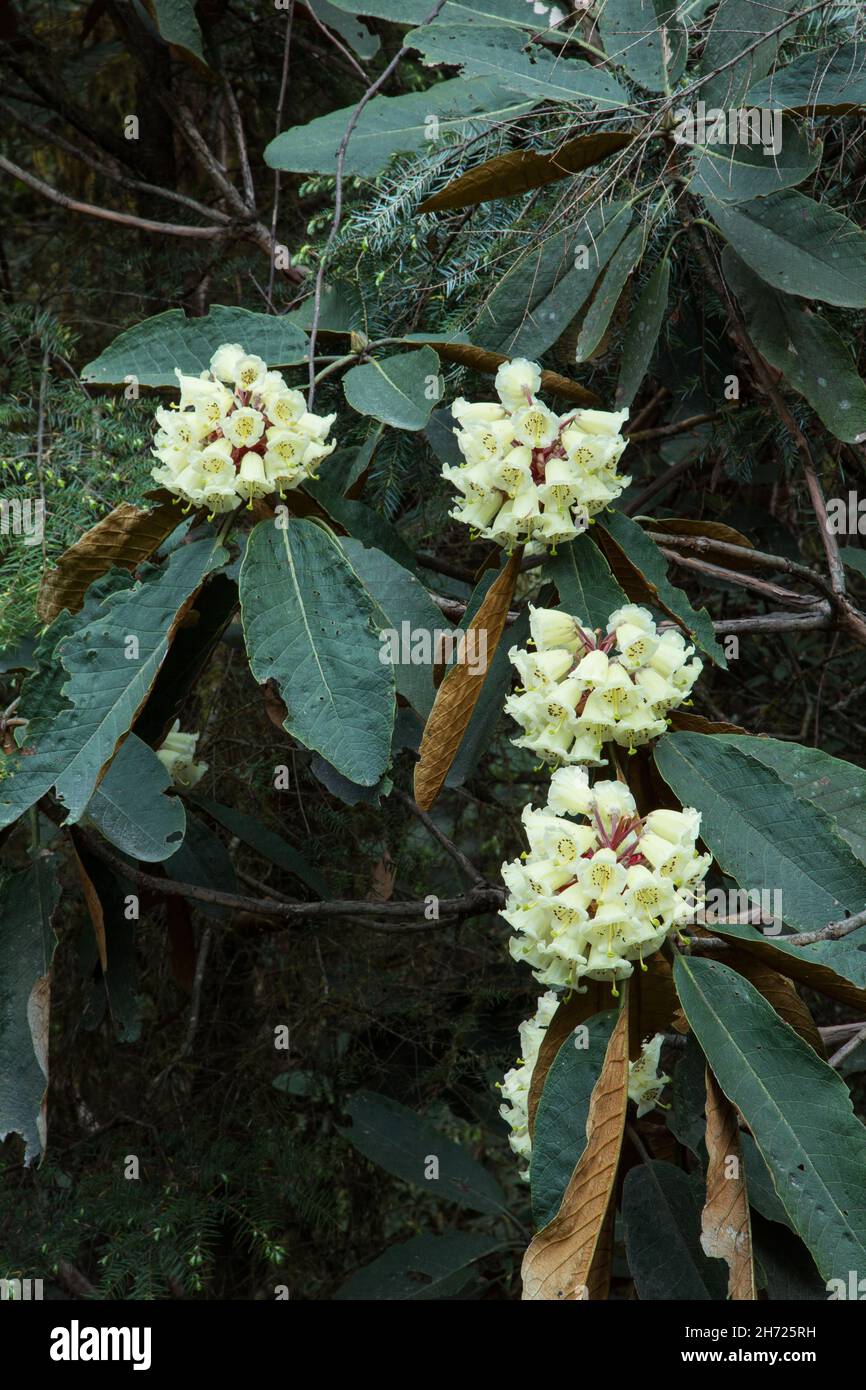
<point x="726" y="1227"/>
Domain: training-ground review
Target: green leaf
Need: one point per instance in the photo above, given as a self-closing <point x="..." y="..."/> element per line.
<point x="509" y="13"/>
<point x="661" y="1210"/>
<point x="686" y="1118"/>
<point x="343" y="468"/>
<point x="855" y="558"/>
<point x="266" y="842"/>
<point x="403" y="608"/>
<point x="797" y="245"/>
<point x="646" y="556"/>
<point x="759" y="1184"/>
<point x="644" y="326"/>
<point x="178" y="25"/>
<point x="737" y="173"/>
<point x="563" y="1110"/>
<point x="836" y="786"/>
<point x="400" y="390"/>
<point x="823" y="81"/>
<point x="501" y="55"/>
<point x="152" y="350"/>
<point x="547" y="286"/>
<point x="107" y="688"/>
<point x="412" y="123"/>
<point x="27" y="944"/>
<point x="204" y="861"/>
<point x="404" y="1144"/>
<point x="761" y="833"/>
<point x="815" y="359"/>
<point x="309" y="624"/>
<point x="583" y="579"/>
<point x="797" y="1108"/>
<point x="421" y="1268"/>
<point x="356" y="35"/>
<point x="600" y="311"/>
<point x="736" y="25"/>
<point x="131" y="809"/>
<point x="647" y="39"/>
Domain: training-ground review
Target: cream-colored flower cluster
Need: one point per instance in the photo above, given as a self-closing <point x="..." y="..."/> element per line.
<point x="645" y="1085"/>
<point x="581" y="690"/>
<point x="530" y="475"/>
<point x="177" y="755"/>
<point x="592" y="897"/>
<point x="238" y="432"/>
<point x="515" y="1084"/>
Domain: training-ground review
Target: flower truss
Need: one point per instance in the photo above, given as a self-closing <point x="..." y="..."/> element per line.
<point x="176" y="753"/>
<point x="581" y="689"/>
<point x="645" y="1085"/>
<point x="531" y="476"/>
<point x="238" y="432"/>
<point x="592" y="897"/>
<point x="515" y="1084"/>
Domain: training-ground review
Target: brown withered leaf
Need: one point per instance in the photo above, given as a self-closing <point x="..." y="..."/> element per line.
<point x="726" y="1227"/>
<point x="126" y="537"/>
<point x="567" y="1259"/>
<point x="697" y="724"/>
<point x="481" y="360"/>
<point x="94" y="904"/>
<point x="781" y="992"/>
<point x="459" y="691"/>
<point x="569" y="1015"/>
<point x="689" y="526"/>
<point x="518" y="172"/>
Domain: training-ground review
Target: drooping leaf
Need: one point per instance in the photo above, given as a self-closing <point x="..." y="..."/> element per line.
<point x="797" y="1108"/>
<point x="641" y="336"/>
<point x="356" y="35"/>
<point x="736" y="25"/>
<point x="566" y="1260"/>
<point x="421" y="1268"/>
<point x="737" y="173"/>
<point x="26" y="949"/>
<point x="413" y="122"/>
<point x="203" y="861"/>
<point x="645" y="555"/>
<point x="600" y="311"/>
<point x="127" y="536"/>
<point x="726" y="1231"/>
<point x="112" y="662"/>
<point x="151" y="350"/>
<point x="647" y="38"/>
<point x="827" y="80"/>
<point x="814" y="358"/>
<point x="407" y="616"/>
<point x="518" y="171"/>
<point x="179" y="26"/>
<point x="461" y="688"/>
<point x="266" y="842"/>
<point x="582" y="576"/>
<point x="661" y="1209"/>
<point x="559" y="1138"/>
<point x="760" y="832"/>
<point x="797" y="245"/>
<point x="408" y="1147"/>
<point x="131" y="809"/>
<point x="400" y="390"/>
<point x="309" y="625"/>
<point x="502" y="56"/>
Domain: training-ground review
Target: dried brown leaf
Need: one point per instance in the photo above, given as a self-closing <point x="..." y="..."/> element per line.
<point x="697" y="724"/>
<point x="569" y="1015"/>
<point x="481" y="360"/>
<point x="459" y="691"/>
<point x="521" y="170"/>
<point x="126" y="537"/>
<point x="726" y="1228"/>
<point x="568" y="1260"/>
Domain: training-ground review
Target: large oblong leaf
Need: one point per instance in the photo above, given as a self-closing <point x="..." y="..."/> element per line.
<point x="828" y="79"/>
<point x="518" y="171"/>
<point x="309" y="625"/>
<point x="646" y="38"/>
<point x="400" y="390"/>
<point x="760" y="832"/>
<point x="583" y="579"/>
<point x="151" y="350"/>
<point x="600" y="311"/>
<point x="797" y="1108"/>
<point x="644" y="325"/>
